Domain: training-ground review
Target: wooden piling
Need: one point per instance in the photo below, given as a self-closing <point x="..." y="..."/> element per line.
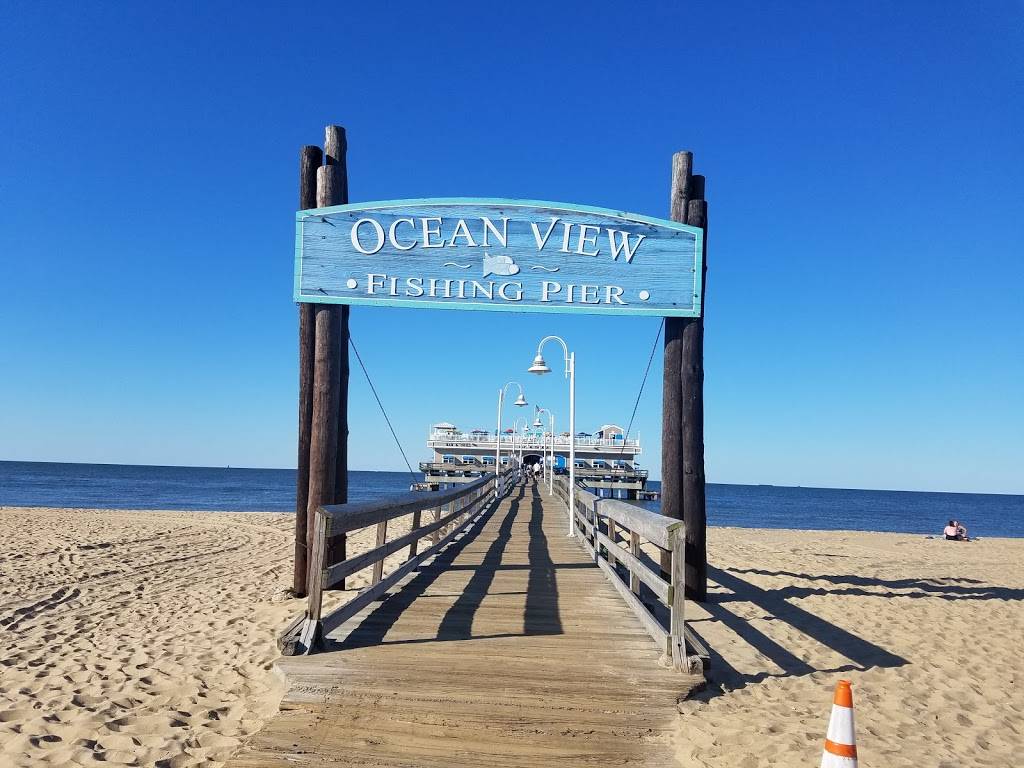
<point x="323" y="441"/>
<point x="310" y="159"/>
<point x="336" y="157"/>
<point x="323" y="450"/>
<point x="671" y="395"/>
<point x="682" y="180"/>
<point x="692" y="359"/>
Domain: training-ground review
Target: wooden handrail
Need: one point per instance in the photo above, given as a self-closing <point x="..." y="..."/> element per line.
<point x="348" y="517"/>
<point x="340" y="570"/>
<point x="635" y="524"/>
<point x="463" y="506"/>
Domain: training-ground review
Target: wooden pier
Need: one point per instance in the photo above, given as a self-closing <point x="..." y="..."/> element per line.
<point x="508" y="647"/>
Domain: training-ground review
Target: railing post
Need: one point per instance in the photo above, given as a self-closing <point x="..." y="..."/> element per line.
<point x="382" y="536"/>
<point x="457" y="506"/>
<point x="311" y="636"/>
<point x="677" y="623"/>
<point x="590" y="513"/>
<point x="634" y="550"/>
<point x="614" y="536"/>
<point x="435" y="535"/>
<point x="416" y="516"/>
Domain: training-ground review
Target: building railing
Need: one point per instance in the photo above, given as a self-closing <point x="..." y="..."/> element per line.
<point x="459" y="466"/>
<point x="602" y="525"/>
<point x="599" y="472"/>
<point x="585" y="471"/>
<point x="449" y="440"/>
<point x="453" y="511"/>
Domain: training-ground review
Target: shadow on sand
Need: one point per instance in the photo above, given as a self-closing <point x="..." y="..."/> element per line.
<point x="862" y="653"/>
<point x="945" y="589"/>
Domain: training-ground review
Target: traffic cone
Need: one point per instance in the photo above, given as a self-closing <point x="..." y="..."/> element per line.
<point x="840" y="742"/>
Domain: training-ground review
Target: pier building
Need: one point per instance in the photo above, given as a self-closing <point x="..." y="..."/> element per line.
<point x="606" y="460"/>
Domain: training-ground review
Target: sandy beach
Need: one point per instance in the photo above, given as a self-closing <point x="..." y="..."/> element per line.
<point x="140" y="638"/>
<point x="928" y="631"/>
<point x="147" y="638"/>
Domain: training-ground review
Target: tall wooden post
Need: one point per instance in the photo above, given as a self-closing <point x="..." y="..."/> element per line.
<point x="336" y="156"/>
<point x="331" y="187"/>
<point x="310" y="159"/>
<point x="692" y="353"/>
<point x="682" y="453"/>
<point x="672" y="389"/>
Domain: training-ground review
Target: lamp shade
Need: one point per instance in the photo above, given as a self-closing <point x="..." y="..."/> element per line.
<point x="539" y="366"/>
<point x="520" y="401"/>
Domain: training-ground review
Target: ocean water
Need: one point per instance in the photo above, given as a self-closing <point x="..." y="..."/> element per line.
<point x="121" y="486"/>
<point x="273" y="490"/>
<point x="770" y="506"/>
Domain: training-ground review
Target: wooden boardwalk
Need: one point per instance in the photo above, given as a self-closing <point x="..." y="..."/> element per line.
<point x="509" y="648"/>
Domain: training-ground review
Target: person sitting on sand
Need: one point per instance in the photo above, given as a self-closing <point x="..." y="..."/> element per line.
<point x="955" y="532"/>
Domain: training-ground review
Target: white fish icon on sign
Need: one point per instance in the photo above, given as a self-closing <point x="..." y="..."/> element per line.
<point x="499" y="265"/>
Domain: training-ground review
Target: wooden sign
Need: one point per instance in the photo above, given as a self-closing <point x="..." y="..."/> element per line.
<point x="506" y="255"/>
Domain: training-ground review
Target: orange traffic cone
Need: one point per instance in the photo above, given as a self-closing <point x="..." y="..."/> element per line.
<point x="840" y="742"/>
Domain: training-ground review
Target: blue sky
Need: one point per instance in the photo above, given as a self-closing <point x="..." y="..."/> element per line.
<point x="865" y="306"/>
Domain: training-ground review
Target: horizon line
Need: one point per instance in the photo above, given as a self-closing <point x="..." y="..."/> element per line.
<point x="406" y="471"/>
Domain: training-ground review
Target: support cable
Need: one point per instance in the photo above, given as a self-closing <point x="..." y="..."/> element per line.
<point x="642" y="384"/>
<point x="377" y="397"/>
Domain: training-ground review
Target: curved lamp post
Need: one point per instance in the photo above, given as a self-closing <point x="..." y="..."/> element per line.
<point x="550" y="470"/>
<point x="540" y="368"/>
<point x="519" y="401"/>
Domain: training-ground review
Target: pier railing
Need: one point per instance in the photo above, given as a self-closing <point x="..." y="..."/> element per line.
<point x="657" y="599"/>
<point x="450" y="511"/>
<point x="469" y="440"/>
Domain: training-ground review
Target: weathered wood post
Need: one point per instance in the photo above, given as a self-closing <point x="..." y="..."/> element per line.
<point x="672" y="387"/>
<point x="683" y="493"/>
<point x="336" y="156"/>
<point x="677" y="607"/>
<point x="326" y="427"/>
<point x="694" y="487"/>
<point x="309" y="160"/>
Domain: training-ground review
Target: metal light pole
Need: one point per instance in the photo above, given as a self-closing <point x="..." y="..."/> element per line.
<point x="540" y="367"/>
<point x="515" y="427"/>
<point x="550" y="470"/>
<point x="519" y="401"/>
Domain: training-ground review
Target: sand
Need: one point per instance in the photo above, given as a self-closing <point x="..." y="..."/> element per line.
<point x="930" y="632"/>
<point x="139" y="638"/>
<point x="147" y="638"/>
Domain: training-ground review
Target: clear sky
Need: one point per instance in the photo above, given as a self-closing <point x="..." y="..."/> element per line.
<point x="865" y="306"/>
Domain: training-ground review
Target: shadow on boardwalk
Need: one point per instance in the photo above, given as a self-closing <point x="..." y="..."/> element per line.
<point x="541" y="614"/>
<point x="509" y="649"/>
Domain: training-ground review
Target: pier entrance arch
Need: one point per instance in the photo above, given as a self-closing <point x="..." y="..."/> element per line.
<point x="487" y="254"/>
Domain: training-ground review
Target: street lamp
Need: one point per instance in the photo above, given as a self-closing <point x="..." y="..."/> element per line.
<point x="519" y="401"/>
<point x="540" y="368"/>
<point x="551" y="465"/>
<point x="515" y="427"/>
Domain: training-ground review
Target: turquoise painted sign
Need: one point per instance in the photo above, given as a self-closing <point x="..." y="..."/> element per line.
<point x="505" y="255"/>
